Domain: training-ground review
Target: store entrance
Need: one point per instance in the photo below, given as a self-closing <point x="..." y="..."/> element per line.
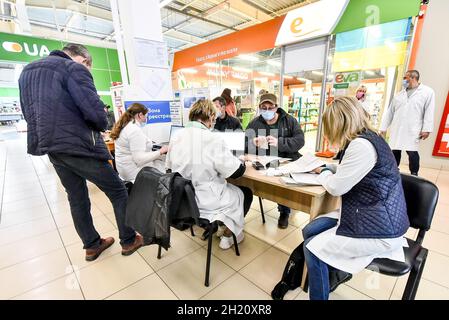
<point x="304" y="66"/>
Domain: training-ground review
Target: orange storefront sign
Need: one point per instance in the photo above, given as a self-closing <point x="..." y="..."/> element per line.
<point x="257" y="38"/>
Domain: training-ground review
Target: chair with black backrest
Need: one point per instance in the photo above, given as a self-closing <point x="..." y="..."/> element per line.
<point x="421" y="197"/>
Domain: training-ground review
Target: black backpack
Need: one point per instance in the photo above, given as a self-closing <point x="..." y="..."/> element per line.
<point x="292" y="276"/>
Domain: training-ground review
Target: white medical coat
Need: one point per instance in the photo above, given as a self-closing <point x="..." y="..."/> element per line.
<point x="133" y="151"/>
<point x="409" y="117"/>
<point x="203" y="157"/>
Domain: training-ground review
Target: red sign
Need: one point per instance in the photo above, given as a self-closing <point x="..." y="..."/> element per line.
<point x="441" y="148"/>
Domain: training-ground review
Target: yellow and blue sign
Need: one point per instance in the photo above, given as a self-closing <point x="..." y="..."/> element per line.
<point x="373" y="47"/>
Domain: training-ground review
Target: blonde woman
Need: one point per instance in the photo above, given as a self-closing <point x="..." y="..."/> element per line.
<point x="361" y="96"/>
<point x="373" y="218"/>
<point x="133" y="149"/>
<point x="203" y="157"/>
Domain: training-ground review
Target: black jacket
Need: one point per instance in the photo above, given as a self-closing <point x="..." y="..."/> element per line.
<point x="228" y="123"/>
<point x="62" y="108"/>
<point x="158" y="201"/>
<point x="289" y="134"/>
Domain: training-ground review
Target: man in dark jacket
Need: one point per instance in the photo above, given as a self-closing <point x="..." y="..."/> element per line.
<point x="274" y="133"/>
<point x="65" y="117"/>
<point x="224" y="121"/>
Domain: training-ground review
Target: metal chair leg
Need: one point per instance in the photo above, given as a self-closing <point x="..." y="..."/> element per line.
<point x="261" y="209"/>
<point x="191" y="231"/>
<point x="159" y="252"/>
<point x="236" y="245"/>
<point x="415" y="276"/>
<point x="209" y="253"/>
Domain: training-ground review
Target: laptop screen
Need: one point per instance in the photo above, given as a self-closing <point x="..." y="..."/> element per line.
<point x="174" y="129"/>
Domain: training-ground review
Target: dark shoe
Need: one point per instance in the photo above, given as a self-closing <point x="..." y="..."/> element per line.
<point x="279" y="291"/>
<point x="205" y="235"/>
<point x="129" y="249"/>
<point x="336" y="278"/>
<point x="283" y="221"/>
<point x="92" y="254"/>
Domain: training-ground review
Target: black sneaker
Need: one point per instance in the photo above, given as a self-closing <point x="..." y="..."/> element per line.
<point x="336" y="278"/>
<point x="283" y="221"/>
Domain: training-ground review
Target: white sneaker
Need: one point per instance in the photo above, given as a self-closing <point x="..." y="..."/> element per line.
<point x="227" y="242"/>
<point x="220" y="231"/>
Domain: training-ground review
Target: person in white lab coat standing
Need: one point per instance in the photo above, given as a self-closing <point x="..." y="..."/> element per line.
<point x="203" y="157"/>
<point x="411" y="117"/>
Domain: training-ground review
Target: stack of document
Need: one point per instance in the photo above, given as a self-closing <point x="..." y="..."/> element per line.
<point x="306" y="163"/>
<point x="301" y="179"/>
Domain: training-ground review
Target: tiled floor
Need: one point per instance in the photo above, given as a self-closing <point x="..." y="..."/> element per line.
<point x="41" y="256"/>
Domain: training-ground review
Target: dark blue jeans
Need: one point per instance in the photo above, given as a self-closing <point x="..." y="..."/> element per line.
<point x="283" y="209"/>
<point x="318" y="271"/>
<point x="73" y="173"/>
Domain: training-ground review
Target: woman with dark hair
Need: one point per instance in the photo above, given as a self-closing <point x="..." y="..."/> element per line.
<point x="231" y="109"/>
<point x="133" y="149"/>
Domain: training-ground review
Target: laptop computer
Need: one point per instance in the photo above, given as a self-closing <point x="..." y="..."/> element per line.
<point x="173" y="130"/>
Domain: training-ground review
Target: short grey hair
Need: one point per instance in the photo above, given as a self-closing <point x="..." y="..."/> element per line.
<point x="414" y="74"/>
<point x="75" y="50"/>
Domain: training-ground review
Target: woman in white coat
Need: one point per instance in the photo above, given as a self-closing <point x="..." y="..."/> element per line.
<point x="373" y="217"/>
<point x="133" y="149"/>
<point x="410" y="119"/>
<point x="203" y="157"/>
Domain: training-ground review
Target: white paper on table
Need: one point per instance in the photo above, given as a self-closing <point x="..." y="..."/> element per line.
<point x="310" y="179"/>
<point x="306" y="163"/>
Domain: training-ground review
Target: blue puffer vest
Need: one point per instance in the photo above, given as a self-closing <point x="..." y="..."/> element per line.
<point x="375" y="207"/>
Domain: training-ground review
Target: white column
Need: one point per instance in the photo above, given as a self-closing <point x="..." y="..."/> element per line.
<point x="139" y="33"/>
<point x="433" y="64"/>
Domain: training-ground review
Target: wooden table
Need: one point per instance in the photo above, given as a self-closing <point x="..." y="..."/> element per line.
<point x="314" y="200"/>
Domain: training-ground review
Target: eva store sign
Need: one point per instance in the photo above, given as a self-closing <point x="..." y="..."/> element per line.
<point x="311" y="21"/>
<point x="32" y="50"/>
<point x="345" y="80"/>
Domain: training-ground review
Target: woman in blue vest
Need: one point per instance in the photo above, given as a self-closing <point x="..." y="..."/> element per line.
<point x="373" y="218"/>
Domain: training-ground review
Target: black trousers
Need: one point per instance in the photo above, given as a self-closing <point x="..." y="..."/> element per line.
<point x="73" y="173"/>
<point x="413" y="160"/>
<point x="247" y="199"/>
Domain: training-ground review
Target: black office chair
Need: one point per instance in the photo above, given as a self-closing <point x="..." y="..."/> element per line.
<point x="421" y="197"/>
<point x="261" y="210"/>
<point x="211" y="229"/>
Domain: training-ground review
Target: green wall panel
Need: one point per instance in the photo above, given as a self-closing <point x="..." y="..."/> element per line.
<point x="362" y="13"/>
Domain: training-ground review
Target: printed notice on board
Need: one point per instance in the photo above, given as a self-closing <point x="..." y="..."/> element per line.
<point x="176" y="113"/>
<point x="151" y="53"/>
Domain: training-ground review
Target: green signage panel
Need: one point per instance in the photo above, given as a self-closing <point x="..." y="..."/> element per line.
<point x="363" y="13"/>
<point x="24" y="49"/>
<point x="341" y="86"/>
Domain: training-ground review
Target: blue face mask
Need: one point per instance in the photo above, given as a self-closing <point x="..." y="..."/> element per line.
<point x="268" y="115"/>
<point x="405" y="84"/>
<point x="141" y="124"/>
<point x="219" y="114"/>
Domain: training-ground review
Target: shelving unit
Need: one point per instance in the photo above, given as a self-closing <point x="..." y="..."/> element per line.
<point x="305" y="108"/>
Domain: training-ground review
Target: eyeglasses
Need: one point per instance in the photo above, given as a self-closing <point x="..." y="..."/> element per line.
<point x="268" y="108"/>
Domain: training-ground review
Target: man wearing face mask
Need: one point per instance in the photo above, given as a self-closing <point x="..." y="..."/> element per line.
<point x="65" y="117"/>
<point x="224" y="121"/>
<point x="410" y="118"/>
<point x="278" y="131"/>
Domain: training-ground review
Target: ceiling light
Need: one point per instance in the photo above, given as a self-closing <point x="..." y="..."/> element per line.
<point x="370" y="73"/>
<point x="192" y="71"/>
<point x="274" y="63"/>
<point x="318" y="73"/>
<point x="248" y="57"/>
<point x="269" y="74"/>
<point x="242" y="69"/>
